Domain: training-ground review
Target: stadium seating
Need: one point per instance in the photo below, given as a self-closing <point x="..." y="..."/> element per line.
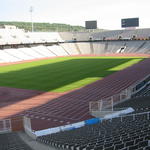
<point x="18" y="36"/>
<point x="72" y="36"/>
<point x="11" y="141"/>
<point x="66" y="43"/>
<point x="125" y="34"/>
<point x="144" y="92"/>
<point x="74" y="106"/>
<point x="18" y="53"/>
<point x="43" y="51"/>
<point x="5" y="56"/>
<point x="58" y="50"/>
<point x="108" y="34"/>
<point x="70" y="48"/>
<point x="85" y="48"/>
<point x="115" y="134"/>
<point x="99" y="47"/>
<point x="67" y="49"/>
<point x="122" y="133"/>
<point x="42" y="37"/>
<point x="30" y="52"/>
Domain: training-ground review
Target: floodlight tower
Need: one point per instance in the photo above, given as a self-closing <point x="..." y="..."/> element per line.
<point x="31" y="12"/>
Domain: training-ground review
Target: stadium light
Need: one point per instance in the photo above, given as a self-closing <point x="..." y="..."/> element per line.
<point x="32" y="25"/>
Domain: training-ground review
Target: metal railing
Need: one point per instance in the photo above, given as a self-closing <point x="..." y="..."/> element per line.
<point x="5" y="125"/>
<point x="109" y="102"/>
<point x="132" y="115"/>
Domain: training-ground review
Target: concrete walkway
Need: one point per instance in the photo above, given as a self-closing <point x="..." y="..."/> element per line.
<point x="33" y="143"/>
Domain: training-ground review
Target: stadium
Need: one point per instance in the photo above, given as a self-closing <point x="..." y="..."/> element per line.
<point x="76" y="90"/>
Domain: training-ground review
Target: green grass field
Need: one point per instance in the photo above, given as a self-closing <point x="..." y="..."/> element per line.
<point x="62" y="74"/>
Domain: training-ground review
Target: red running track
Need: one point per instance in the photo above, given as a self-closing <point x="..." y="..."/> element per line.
<point x="48" y="110"/>
<point x="74" y="106"/>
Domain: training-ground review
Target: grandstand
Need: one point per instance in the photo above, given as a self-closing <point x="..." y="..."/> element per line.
<point x="62" y="44"/>
<point x="119" y="133"/>
<point x="66" y="119"/>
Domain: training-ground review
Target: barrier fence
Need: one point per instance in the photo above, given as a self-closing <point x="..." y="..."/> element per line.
<point x="5" y="125"/>
<point x="109" y="102"/>
<point x="11" y="124"/>
<point x="133" y="116"/>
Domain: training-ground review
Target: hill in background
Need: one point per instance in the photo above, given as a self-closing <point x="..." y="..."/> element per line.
<point x="45" y="27"/>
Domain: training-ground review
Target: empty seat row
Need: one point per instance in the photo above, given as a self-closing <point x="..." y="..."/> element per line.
<point x="11" y="141"/>
<point x="112" y="134"/>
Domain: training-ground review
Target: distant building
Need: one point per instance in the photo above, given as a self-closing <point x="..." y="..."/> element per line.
<point x="7" y="27"/>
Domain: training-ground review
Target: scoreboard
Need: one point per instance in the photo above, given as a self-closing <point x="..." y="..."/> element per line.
<point x="130" y="22"/>
<point x="91" y="24"/>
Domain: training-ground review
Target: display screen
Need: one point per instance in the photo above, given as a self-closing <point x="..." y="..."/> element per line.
<point x="130" y="22"/>
<point x="91" y="24"/>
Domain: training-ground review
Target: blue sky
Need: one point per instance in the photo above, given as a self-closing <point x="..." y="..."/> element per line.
<point x="108" y="13"/>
